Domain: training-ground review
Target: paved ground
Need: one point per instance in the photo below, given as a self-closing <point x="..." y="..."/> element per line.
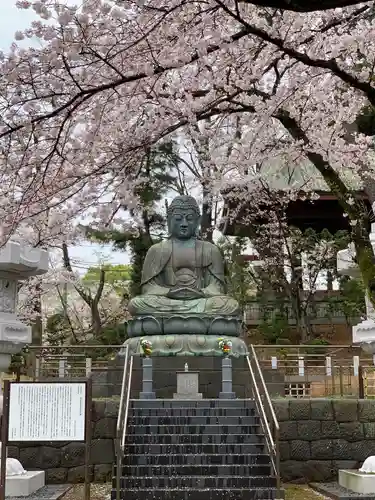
<point x="50" y="492"/>
<point x="102" y="492"/>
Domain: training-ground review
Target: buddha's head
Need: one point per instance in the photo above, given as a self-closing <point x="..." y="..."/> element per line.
<point x="183" y="217"/>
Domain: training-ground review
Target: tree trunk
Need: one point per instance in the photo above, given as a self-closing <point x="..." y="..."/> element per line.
<point x="37" y="326"/>
<point x="96" y="320"/>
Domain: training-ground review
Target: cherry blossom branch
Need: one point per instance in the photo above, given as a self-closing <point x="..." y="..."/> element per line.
<point x="303" y="5"/>
<point x="328" y="64"/>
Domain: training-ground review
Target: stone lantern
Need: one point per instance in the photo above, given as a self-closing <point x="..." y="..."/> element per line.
<point x="17" y="262"/>
<point x="363" y="333"/>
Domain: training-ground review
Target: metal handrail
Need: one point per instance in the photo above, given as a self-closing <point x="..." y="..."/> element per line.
<point x="121" y="422"/>
<point x="127" y="406"/>
<point x="271" y="441"/>
<point x="119" y="416"/>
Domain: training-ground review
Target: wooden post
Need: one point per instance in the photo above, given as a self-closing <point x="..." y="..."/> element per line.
<point x="361" y="387"/>
<point x="4" y="438"/>
<point x="88" y="438"/>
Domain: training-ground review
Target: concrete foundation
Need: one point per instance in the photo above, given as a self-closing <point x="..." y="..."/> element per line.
<point x="357" y="481"/>
<point x="25" y="485"/>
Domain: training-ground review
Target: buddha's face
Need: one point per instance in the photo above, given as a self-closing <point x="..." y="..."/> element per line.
<point x="183" y="223"/>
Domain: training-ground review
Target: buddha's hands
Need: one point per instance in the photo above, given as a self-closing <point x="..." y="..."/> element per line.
<point x="184" y="293"/>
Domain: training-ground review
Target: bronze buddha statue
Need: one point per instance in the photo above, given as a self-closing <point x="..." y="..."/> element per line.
<point x="183" y="283"/>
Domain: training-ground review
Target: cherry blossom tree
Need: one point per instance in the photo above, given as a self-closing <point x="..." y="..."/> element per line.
<point x="112" y="78"/>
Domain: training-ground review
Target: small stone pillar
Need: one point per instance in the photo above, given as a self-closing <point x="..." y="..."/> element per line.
<point x="226" y="379"/>
<point x="147" y="382"/>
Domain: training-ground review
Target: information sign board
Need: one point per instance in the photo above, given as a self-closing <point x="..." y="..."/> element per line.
<point x="47" y="412"/>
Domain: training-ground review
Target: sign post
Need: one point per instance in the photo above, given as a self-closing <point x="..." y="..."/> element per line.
<point x="46" y="411"/>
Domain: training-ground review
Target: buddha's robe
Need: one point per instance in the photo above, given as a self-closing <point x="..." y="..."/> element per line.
<point x="169" y="264"/>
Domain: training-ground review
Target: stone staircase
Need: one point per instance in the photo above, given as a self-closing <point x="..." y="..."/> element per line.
<point x="195" y="450"/>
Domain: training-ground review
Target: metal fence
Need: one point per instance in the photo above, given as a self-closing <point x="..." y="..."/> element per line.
<point x="301" y="371"/>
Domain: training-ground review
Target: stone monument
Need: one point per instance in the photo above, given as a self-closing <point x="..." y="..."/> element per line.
<point x="187" y="385"/>
<point x="17" y="263"/>
<point x="183" y="309"/>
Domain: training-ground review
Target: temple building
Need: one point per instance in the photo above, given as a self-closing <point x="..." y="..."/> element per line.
<point x="312" y="206"/>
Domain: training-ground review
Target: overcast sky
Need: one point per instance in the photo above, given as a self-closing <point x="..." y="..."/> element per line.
<point x="11" y="20"/>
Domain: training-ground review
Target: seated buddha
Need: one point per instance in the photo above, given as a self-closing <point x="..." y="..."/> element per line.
<point x="183" y="282"/>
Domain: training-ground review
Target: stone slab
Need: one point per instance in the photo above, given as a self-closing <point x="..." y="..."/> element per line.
<point x="194" y="396"/>
<point x="49" y="492"/>
<point x="25" y="485"/>
<point x="187" y="386"/>
<point x="336" y="492"/>
<point x="187" y="382"/>
<point x="357" y="481"/>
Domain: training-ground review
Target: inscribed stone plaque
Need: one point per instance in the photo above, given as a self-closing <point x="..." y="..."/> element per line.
<point x="187" y="386"/>
<point x="47" y="412"/>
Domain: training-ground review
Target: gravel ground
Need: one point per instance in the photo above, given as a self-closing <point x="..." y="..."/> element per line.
<point x="98" y="492"/>
<point x="297" y="492"/>
<point x="102" y="492"/>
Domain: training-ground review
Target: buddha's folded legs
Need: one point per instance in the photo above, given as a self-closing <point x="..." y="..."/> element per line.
<point x="159" y="305"/>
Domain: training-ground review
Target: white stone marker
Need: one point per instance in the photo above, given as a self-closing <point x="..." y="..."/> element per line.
<point x="187" y="385"/>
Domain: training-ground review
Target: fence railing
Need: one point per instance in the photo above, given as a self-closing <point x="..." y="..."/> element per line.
<point x="290" y="371"/>
<point x="318" y="312"/>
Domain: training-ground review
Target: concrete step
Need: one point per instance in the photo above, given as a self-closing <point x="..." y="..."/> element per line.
<point x="199" y="458"/>
<point x="187" y="430"/>
<point x="198" y="482"/>
<point x="195" y="439"/>
<point x="196" y="470"/>
<point x="200" y="403"/>
<point x="194" y="420"/>
<point x="198" y="494"/>
<point x="192" y="412"/>
<point x="194" y="448"/>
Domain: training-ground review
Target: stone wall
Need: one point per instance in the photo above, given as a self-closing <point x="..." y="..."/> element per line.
<point x="320" y="436"/>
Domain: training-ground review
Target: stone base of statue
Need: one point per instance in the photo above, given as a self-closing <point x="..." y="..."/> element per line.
<point x="183" y="324"/>
<point x="186" y="345"/>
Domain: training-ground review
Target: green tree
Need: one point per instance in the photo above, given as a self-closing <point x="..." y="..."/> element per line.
<point x="157" y="171"/>
<point x="116" y="275"/>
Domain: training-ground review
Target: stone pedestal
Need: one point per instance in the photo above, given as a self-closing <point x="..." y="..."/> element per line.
<point x="226" y="379"/>
<point x="25" y="485"/>
<point x="17" y="263"/>
<point x="147" y="392"/>
<point x="185" y="345"/>
<point x="187" y="386"/>
<point x="358" y="482"/>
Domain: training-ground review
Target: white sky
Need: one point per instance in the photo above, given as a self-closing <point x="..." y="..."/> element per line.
<point x="11" y="20"/>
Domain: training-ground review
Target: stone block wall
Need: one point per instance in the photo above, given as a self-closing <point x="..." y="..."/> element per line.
<point x="320" y="436"/>
<point x="64" y="462"/>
